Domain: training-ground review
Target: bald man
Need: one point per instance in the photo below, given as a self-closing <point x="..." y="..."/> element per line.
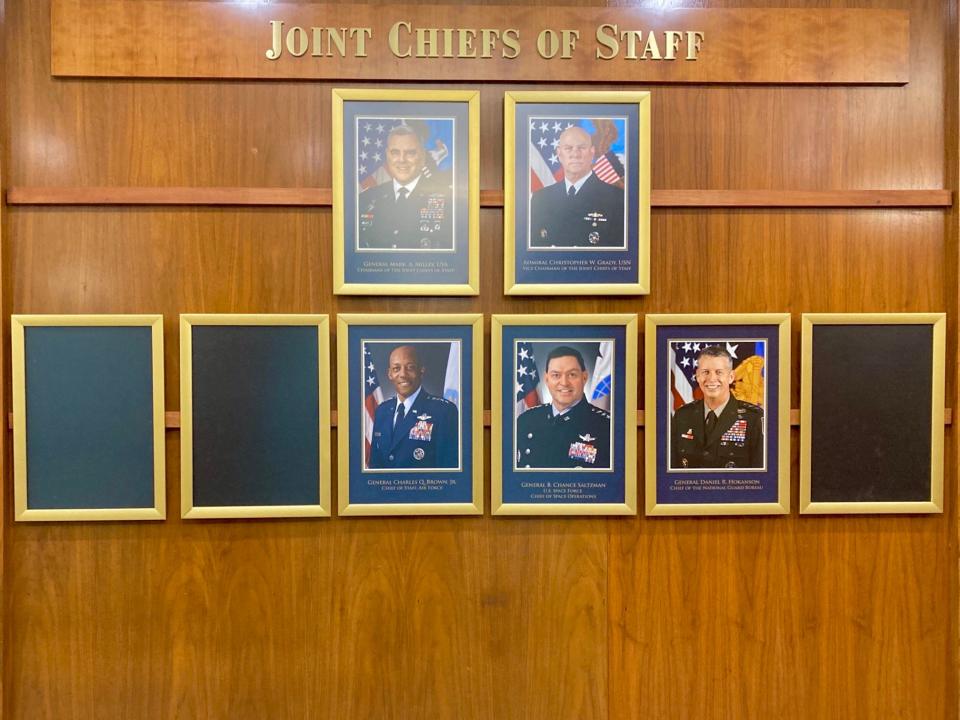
<point x="413" y="430"/>
<point x="580" y="211"/>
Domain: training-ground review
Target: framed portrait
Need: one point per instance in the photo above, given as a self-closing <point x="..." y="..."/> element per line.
<point x="564" y="415"/>
<point x="410" y="414"/>
<point x="254" y="416"/>
<point x="576" y="201"/>
<point x="717" y="415"/>
<point x="869" y="447"/>
<point x="406" y="192"/>
<point x="88" y="417"/>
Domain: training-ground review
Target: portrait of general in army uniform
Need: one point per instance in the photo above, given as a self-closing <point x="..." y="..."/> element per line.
<point x="562" y="416"/>
<point x="577" y="188"/>
<point x="410" y="408"/>
<point x="405" y="183"/>
<point x="717" y="421"/>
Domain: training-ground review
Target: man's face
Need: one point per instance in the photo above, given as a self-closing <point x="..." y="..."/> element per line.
<point x="575" y="153"/>
<point x="565" y="381"/>
<point x="405" y="157"/>
<point x="404" y="371"/>
<point x="715" y="375"/>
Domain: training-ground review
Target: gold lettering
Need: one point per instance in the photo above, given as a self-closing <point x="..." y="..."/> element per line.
<point x="360" y="35"/>
<point x="632" y="37"/>
<point x="673" y="38"/>
<point x="447" y="42"/>
<point x="652" y="48"/>
<point x="607" y="41"/>
<point x="488" y="39"/>
<point x="511" y="41"/>
<point x="297" y="41"/>
<point x="337" y="37"/>
<point x="570" y="38"/>
<point x="317" y="41"/>
<point x="694" y="41"/>
<point x="427" y="42"/>
<point x="393" y="39"/>
<point x="276" y="32"/>
<point x="467" y="50"/>
<point x="547" y="44"/>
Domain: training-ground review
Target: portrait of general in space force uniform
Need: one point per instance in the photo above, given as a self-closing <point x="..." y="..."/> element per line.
<point x="412" y="210"/>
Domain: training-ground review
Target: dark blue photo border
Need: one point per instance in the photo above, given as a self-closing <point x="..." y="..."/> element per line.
<point x="521" y="487"/>
<point x="395" y="488"/>
<point x="388" y="267"/>
<point x="564" y="266"/>
<point x="667" y="488"/>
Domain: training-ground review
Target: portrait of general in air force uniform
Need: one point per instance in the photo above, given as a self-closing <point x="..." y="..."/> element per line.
<point x="723" y="427"/>
<point x="405" y="188"/>
<point x="413" y="428"/>
<point x="568" y="431"/>
<point x="577" y="181"/>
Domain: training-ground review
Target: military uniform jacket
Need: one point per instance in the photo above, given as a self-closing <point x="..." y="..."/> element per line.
<point x="591" y="218"/>
<point x="578" y="438"/>
<point x="736" y="440"/>
<point x="418" y="222"/>
<point x="427" y="437"/>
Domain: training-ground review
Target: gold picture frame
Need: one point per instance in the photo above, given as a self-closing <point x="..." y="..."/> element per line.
<point x="937" y="323"/>
<point x="619" y="269"/>
<point x="710" y="494"/>
<point x="560" y="498"/>
<point x="359" y="377"/>
<point x="20" y="326"/>
<point x="188" y="508"/>
<point x="462" y="259"/>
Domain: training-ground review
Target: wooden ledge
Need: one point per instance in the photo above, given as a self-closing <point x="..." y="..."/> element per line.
<point x="323" y="197"/>
<point x="172" y="418"/>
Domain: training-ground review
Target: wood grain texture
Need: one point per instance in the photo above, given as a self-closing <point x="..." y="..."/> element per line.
<point x="201" y="39"/>
<point x="478" y="618"/>
<point x="319" y="197"/>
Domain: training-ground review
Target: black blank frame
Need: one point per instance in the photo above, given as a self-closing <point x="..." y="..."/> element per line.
<point x="872" y="397"/>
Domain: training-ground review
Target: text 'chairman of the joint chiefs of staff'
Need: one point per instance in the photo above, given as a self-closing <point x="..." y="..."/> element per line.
<point x="581" y="211"/>
<point x="567" y="432"/>
<point x="412" y="210"/>
<point x="414" y="429"/>
<point x="719" y="431"/>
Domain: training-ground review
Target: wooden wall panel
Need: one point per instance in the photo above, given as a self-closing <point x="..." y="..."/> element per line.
<point x="478" y="618"/>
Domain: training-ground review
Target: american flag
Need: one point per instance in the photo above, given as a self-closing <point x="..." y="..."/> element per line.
<point x="528" y="379"/>
<point x="372" y="397"/>
<point x="683" y="365"/>
<point x="545" y="137"/>
<point x="437" y="137"/>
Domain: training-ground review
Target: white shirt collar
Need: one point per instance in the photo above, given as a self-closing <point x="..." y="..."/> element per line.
<point x="409" y="186"/>
<point x="579" y="183"/>
<point x="408" y="403"/>
<point x="558" y="413"/>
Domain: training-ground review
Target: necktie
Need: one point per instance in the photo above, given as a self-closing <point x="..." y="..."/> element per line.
<point x="711" y="422"/>
<point x="401" y="411"/>
<point x="402" y="194"/>
<point x="571" y="191"/>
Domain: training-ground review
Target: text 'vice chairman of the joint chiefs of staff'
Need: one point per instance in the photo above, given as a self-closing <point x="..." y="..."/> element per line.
<point x="414" y="430"/>
<point x="412" y="210"/>
<point x="567" y="432"/>
<point x="719" y="431"/>
<point x="582" y="211"/>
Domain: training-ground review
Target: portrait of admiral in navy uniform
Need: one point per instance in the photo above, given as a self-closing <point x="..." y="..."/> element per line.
<point x="567" y="432"/>
<point x="416" y="429"/>
<point x="581" y="204"/>
<point x="720" y="430"/>
<point x="411" y="206"/>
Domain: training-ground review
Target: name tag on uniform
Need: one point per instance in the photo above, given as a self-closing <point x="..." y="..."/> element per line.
<point x="582" y="451"/>
<point x="423" y="430"/>
<point x="736" y="434"/>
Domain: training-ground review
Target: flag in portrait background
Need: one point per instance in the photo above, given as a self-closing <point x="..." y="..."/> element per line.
<point x="748" y="370"/>
<point x="436" y="135"/>
<point x="372" y="397"/>
<point x="608" y="141"/>
<point x="601" y="380"/>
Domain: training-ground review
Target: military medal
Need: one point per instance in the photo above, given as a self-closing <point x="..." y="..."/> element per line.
<point x="595" y="217"/>
<point x="737" y="433"/>
<point x="688" y="435"/>
<point x="418" y="454"/>
<point x="583" y="450"/>
<point x="594" y="238"/>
